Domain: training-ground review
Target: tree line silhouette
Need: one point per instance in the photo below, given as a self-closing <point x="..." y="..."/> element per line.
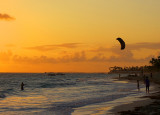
<point x="155" y="66"/>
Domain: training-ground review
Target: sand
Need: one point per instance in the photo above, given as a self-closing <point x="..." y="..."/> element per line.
<point x="149" y="106"/>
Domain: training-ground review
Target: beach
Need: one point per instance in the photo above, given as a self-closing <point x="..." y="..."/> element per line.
<point x="71" y="94"/>
<point x="80" y="57"/>
<point x="148" y="106"/>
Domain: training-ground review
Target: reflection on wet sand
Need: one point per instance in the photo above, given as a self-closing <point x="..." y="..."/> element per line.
<point x="19" y="104"/>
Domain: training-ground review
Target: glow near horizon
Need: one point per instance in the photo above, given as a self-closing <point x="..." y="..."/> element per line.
<point x="91" y="23"/>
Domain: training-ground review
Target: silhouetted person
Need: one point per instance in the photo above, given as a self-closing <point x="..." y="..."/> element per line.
<point x="147" y="84"/>
<point x="22" y="86"/>
<point x="119" y="75"/>
<point x="138" y="85"/>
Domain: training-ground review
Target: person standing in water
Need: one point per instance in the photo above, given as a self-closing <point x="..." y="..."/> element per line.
<point x="147" y="84"/>
<point x="138" y="85"/>
<point x="22" y="86"/>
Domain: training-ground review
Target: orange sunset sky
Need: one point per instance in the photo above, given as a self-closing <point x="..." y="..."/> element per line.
<point x="77" y="35"/>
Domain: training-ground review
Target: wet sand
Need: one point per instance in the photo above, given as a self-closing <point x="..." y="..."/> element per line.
<point x="149" y="106"/>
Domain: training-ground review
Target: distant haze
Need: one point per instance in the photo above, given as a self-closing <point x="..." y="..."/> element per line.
<point x="77" y="35"/>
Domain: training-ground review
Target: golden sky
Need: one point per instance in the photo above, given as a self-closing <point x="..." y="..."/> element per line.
<point x="77" y="35"/>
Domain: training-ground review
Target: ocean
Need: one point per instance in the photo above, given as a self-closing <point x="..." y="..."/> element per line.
<point x="69" y="94"/>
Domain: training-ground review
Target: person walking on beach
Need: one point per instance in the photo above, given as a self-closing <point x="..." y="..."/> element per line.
<point x="22" y="84"/>
<point x="147" y="85"/>
<point x="138" y="85"/>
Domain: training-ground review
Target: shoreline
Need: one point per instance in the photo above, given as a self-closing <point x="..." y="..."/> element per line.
<point x="108" y="107"/>
<point x="150" y="104"/>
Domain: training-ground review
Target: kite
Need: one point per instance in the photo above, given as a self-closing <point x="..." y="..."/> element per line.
<point x="122" y="43"/>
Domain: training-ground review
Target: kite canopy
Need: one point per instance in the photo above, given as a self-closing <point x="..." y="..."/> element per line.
<point x="122" y="43"/>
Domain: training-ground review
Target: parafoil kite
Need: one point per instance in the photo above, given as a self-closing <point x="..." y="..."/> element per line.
<point x="122" y="43"/>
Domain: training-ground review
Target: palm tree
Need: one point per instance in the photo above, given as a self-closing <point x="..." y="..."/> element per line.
<point x="155" y="62"/>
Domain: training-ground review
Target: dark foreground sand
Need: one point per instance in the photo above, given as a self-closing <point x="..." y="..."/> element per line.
<point x="149" y="106"/>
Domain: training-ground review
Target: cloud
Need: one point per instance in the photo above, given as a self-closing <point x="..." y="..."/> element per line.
<point x="143" y="45"/>
<point x="6" y="17"/>
<point x="53" y="47"/>
<point x="126" y="55"/>
<point x="100" y="49"/>
<point x="80" y="57"/>
<point x="69" y="45"/>
<point x="33" y="60"/>
<point x="76" y="57"/>
<point x="97" y="55"/>
<point x="134" y="46"/>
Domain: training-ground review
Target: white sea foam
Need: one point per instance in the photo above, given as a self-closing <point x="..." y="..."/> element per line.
<point x="60" y="95"/>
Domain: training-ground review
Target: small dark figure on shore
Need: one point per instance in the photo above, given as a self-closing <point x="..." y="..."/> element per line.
<point x="138" y="85"/>
<point x="22" y="86"/>
<point x="119" y="75"/>
<point x="147" y="84"/>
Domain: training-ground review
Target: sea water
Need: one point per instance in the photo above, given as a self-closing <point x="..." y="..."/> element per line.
<point x="69" y="94"/>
